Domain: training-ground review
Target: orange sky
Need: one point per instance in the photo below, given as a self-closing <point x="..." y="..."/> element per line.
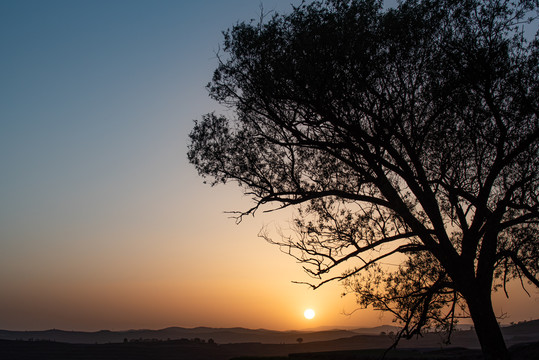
<point x="215" y="273"/>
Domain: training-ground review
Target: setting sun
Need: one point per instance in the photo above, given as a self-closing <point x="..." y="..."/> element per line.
<point x="309" y="314"/>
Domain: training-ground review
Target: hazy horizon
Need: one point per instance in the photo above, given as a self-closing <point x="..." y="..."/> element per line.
<point x="308" y="329"/>
<point x="103" y="224"/>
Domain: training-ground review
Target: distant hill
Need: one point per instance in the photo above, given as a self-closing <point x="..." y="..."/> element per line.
<point x="367" y="330"/>
<point x="219" y="335"/>
<point x="522" y="332"/>
<point x="377" y="330"/>
<point x="526" y="331"/>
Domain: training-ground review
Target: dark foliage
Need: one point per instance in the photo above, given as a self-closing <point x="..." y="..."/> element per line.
<point x="404" y="135"/>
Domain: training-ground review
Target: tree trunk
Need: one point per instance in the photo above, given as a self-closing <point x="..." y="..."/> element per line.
<point x="486" y="326"/>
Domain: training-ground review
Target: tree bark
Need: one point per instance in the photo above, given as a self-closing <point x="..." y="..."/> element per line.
<point x="486" y="326"/>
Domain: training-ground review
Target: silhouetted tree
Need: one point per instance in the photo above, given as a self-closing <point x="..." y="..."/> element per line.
<point x="404" y="135"/>
<point x="299" y="340"/>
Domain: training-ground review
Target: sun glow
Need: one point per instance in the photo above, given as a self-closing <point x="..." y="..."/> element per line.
<point x="309" y="314"/>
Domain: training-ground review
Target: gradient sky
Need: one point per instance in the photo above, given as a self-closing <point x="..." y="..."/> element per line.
<point x="103" y="223"/>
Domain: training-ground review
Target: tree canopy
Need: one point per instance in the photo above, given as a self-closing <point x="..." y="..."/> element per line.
<point x="410" y="131"/>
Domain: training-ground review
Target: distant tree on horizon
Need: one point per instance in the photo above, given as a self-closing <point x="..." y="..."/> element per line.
<point x="406" y="136"/>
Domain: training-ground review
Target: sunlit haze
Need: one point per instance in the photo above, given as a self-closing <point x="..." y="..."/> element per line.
<point x="309" y="314"/>
<point x="103" y="223"/>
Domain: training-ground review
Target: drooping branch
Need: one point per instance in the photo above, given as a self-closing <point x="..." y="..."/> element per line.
<point x="352" y="272"/>
<point x="520" y="265"/>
